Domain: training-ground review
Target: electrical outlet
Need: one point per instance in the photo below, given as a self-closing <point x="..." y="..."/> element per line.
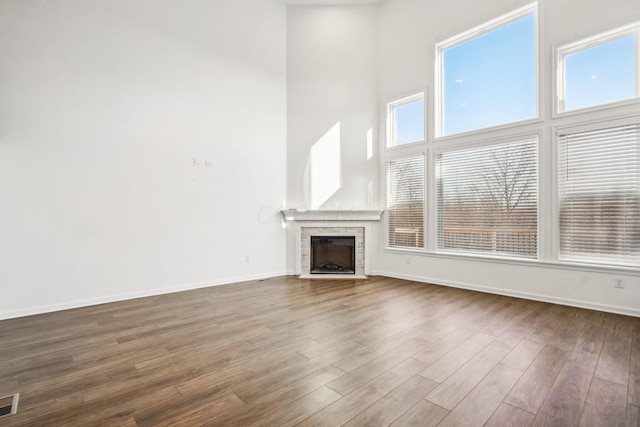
<point x="247" y="259"/>
<point x="618" y="283"/>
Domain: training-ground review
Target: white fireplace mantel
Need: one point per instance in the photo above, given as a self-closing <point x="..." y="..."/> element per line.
<point x="332" y="222"/>
<point x="331" y="215"/>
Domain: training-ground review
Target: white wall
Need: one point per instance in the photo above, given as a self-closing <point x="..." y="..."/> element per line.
<point x="331" y="100"/>
<point x="103" y="107"/>
<point x="331" y="76"/>
<point x="105" y="104"/>
<point x="409" y="30"/>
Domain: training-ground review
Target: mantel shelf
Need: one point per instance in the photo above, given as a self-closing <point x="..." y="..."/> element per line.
<point x="331" y="215"/>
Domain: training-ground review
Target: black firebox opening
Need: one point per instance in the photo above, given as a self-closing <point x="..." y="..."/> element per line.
<point x="333" y="255"/>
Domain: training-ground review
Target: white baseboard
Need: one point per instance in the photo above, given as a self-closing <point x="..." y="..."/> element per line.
<point x="131" y="295"/>
<point x="510" y="293"/>
<point x="230" y="280"/>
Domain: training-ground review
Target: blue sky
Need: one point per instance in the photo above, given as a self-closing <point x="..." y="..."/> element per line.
<point x="491" y="79"/>
<point x="409" y="119"/>
<point x="603" y="73"/>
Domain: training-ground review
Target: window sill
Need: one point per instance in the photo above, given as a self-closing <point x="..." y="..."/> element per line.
<point x="563" y="265"/>
<point x="611" y="107"/>
<point x="485" y="131"/>
<point x="401" y="147"/>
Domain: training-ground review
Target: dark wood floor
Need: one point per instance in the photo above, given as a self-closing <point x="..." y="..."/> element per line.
<point x="286" y="352"/>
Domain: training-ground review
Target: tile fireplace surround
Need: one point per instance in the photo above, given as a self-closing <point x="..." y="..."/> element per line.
<point x="309" y="223"/>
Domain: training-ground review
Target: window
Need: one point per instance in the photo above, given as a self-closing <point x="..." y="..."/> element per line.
<point x="405" y="202"/>
<point x="488" y="76"/>
<point x="405" y="120"/>
<point x="500" y="189"/>
<point x="599" y="70"/>
<point x="487" y="199"/>
<point x="599" y="195"/>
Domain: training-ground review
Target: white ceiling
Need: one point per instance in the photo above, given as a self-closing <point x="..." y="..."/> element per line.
<point x="329" y="2"/>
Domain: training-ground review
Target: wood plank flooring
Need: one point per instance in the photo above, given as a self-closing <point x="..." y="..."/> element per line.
<point x="287" y="352"/>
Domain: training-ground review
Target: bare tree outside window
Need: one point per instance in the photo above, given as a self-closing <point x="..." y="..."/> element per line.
<point x="405" y="202"/>
<point x="487" y="199"/>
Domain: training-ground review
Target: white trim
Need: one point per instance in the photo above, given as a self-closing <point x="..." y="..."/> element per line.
<point x="488" y="142"/>
<point x="131" y="295"/>
<point x="490" y="258"/>
<point x="595" y="108"/>
<point x="600" y="38"/>
<point x="399" y="155"/>
<point x="547" y="199"/>
<point x="510" y="293"/>
<point x="490" y="25"/>
<point x="332" y="215"/>
<point x="560" y="52"/>
<point x="440" y="47"/>
<point x="390" y="123"/>
<point x="542" y="76"/>
<point x="534" y="122"/>
<point x="588" y="125"/>
<point x="438" y="93"/>
<point x="230" y="281"/>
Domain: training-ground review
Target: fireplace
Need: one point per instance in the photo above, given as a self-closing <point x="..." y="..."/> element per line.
<point x="327" y="224"/>
<point x="333" y="255"/>
<point x="350" y="253"/>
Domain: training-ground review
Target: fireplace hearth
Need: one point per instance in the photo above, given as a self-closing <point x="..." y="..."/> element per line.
<point x="333" y="255"/>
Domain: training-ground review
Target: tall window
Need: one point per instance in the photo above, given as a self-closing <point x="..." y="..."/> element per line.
<point x="486" y="174"/>
<point x="599" y="70"/>
<point x="487" y="199"/>
<point x="405" y="120"/>
<point x="599" y="195"/>
<point x="405" y="202"/>
<point x="488" y="76"/>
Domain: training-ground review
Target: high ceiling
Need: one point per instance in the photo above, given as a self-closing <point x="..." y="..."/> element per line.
<point x="330" y="2"/>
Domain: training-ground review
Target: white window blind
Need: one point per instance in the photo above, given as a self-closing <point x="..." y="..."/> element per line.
<point x="405" y="202"/>
<point x="487" y="199"/>
<point x="599" y="195"/>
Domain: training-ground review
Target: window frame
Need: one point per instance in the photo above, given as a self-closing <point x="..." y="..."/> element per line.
<point x="562" y="51"/>
<point x="544" y="125"/>
<point x="391" y="122"/>
<point x="440" y="47"/>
